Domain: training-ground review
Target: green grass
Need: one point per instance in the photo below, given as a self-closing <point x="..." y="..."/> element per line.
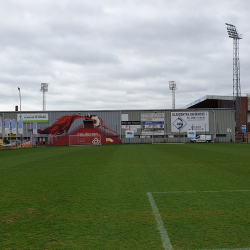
<point x="96" y="197"/>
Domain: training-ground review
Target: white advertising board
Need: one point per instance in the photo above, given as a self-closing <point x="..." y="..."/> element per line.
<point x="152" y="123"/>
<point x="30" y="118"/>
<point x="184" y="121"/>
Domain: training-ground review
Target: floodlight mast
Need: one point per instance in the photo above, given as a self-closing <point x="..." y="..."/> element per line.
<point x="172" y="86"/>
<point x="44" y="88"/>
<point x="233" y="33"/>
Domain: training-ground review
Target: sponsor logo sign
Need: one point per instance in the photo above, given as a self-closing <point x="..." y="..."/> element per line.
<point x="179" y="123"/>
<point x="129" y="134"/>
<point x="131" y="123"/>
<point x="96" y="141"/>
<point x="191" y="134"/>
<point x="109" y="140"/>
<point x="87" y="134"/>
<point x="243" y="129"/>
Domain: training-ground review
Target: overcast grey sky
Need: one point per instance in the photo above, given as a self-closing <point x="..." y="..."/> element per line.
<point x="116" y="54"/>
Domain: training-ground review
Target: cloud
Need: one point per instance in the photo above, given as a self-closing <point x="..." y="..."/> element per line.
<point x="118" y="54"/>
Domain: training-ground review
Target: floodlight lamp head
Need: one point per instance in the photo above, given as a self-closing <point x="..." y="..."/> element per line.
<point x="172" y="85"/>
<point x="44" y="87"/>
<point x="232" y="32"/>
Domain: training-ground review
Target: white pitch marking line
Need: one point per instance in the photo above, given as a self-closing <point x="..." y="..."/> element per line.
<point x="221" y="191"/>
<point x="164" y="235"/>
<point x="246" y="248"/>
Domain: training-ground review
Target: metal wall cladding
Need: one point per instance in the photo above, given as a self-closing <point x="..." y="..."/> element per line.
<point x="111" y="119"/>
<point x="221" y="126"/>
<point x="224" y="125"/>
<point x="10" y="115"/>
<point x="221" y="123"/>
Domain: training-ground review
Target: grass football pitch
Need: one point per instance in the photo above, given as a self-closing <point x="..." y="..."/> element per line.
<point x="188" y="196"/>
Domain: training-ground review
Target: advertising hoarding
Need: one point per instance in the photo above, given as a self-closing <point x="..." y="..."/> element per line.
<point x="184" y="121"/>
